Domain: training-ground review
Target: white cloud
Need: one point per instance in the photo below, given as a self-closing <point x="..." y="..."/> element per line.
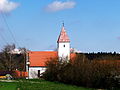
<point x="7" y="6"/>
<point x="59" y="5"/>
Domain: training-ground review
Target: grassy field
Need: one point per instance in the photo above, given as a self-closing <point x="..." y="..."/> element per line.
<point x="8" y="86"/>
<point x="37" y="85"/>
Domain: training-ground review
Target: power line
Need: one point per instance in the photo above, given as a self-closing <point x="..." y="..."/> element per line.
<point x="8" y="28"/>
<point x="4" y="39"/>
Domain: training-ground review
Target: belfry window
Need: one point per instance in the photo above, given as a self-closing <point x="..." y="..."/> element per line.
<point x="63" y="45"/>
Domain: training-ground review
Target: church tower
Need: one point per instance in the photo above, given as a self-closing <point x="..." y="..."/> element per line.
<point x="63" y="45"/>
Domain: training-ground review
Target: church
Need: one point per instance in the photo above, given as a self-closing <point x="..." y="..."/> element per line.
<point x="35" y="63"/>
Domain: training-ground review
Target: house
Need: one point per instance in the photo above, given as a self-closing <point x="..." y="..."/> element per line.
<point x="35" y="64"/>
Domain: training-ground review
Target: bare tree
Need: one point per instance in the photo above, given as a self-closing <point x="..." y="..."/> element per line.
<point x="11" y="61"/>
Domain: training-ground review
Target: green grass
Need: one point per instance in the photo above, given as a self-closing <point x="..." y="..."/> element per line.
<point x="38" y="85"/>
<point x="8" y="86"/>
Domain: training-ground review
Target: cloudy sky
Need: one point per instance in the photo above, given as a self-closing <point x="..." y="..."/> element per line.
<point x="92" y="25"/>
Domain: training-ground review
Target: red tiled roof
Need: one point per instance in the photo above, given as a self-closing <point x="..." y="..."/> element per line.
<point x="39" y="58"/>
<point x="72" y="56"/>
<point x="63" y="37"/>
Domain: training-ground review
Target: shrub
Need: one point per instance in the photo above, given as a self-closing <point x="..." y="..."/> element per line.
<point x="95" y="74"/>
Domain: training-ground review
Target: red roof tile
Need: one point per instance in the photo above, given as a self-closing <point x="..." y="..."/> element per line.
<point x="39" y="58"/>
<point x="72" y="56"/>
<point x="63" y="37"/>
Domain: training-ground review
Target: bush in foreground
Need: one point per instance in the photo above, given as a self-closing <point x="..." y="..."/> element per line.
<point x="95" y="74"/>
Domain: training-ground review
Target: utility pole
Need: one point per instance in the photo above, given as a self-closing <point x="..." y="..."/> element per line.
<point x="10" y="62"/>
<point x="27" y="63"/>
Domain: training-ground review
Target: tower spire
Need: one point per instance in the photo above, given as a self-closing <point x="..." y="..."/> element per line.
<point x="63" y="23"/>
<point x="63" y="37"/>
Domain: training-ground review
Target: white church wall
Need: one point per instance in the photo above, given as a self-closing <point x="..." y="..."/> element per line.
<point x="64" y="50"/>
<point x="33" y="71"/>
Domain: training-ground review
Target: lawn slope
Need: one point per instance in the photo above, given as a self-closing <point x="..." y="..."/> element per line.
<point x="37" y="85"/>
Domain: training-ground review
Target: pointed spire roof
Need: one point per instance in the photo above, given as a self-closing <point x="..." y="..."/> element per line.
<point x="63" y="37"/>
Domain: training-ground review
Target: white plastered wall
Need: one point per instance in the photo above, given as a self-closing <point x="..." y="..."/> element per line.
<point x="33" y="71"/>
<point x="64" y="50"/>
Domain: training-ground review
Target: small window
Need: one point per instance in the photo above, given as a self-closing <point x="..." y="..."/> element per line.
<point x="63" y="45"/>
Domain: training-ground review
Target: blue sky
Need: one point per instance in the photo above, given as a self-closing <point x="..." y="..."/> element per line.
<point x="92" y="25"/>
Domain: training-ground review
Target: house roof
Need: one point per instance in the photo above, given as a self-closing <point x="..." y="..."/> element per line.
<point x="63" y="37"/>
<point x="39" y="58"/>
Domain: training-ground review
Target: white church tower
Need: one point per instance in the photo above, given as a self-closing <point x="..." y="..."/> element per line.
<point x="63" y="45"/>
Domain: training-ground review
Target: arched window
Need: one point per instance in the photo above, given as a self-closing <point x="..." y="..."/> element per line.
<point x="63" y="45"/>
